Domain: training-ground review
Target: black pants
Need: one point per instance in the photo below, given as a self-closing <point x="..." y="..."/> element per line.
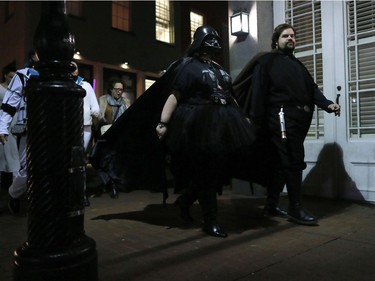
<point x="206" y="197"/>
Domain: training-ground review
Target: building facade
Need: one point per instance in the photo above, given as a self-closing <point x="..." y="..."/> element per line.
<point x="336" y="41"/>
<point x="134" y="40"/>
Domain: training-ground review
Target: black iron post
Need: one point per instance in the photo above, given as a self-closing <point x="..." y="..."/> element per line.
<point x="56" y="247"/>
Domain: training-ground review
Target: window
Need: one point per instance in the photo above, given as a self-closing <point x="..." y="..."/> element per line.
<point x="149" y="82"/>
<point x="74" y="8"/>
<point x="305" y="16"/>
<point x="361" y="67"/>
<point x="164" y="21"/>
<point x="121" y="15"/>
<point x="196" y="20"/>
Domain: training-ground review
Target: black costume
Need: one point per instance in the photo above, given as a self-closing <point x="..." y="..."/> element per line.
<point x="282" y="80"/>
<point x="207" y="131"/>
<point x="269" y="82"/>
<point x="206" y="134"/>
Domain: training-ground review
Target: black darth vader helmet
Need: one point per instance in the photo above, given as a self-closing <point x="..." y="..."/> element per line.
<point x="206" y="40"/>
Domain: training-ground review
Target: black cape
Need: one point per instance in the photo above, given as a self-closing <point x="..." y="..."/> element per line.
<point x="260" y="161"/>
<point x="242" y="85"/>
<point x="130" y="152"/>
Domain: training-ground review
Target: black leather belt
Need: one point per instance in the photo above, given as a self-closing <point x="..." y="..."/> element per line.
<point x="305" y="108"/>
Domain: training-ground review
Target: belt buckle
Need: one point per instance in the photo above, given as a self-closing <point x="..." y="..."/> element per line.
<point x="306" y="108"/>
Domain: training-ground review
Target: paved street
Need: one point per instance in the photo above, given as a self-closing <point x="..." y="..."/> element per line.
<point x="137" y="238"/>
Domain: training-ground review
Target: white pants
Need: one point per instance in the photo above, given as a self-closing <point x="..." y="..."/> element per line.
<point x="19" y="185"/>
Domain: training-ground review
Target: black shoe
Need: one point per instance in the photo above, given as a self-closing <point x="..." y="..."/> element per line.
<point x="14" y="206"/>
<point x="300" y="216"/>
<point x="274" y="212"/>
<point x="214" y="229"/>
<point x="184" y="209"/>
<point x="86" y="201"/>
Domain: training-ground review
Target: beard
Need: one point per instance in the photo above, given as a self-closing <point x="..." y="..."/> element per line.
<point x="288" y="48"/>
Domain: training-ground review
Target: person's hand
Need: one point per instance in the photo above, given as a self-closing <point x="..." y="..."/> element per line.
<point x="335" y="108"/>
<point x="161" y="130"/>
<point x="3" y="138"/>
<point x="95" y="114"/>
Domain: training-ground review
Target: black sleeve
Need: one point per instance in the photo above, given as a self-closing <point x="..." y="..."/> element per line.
<point x="11" y="110"/>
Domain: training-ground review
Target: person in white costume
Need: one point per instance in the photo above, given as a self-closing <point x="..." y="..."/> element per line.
<point x="90" y="109"/>
<point x="15" y="102"/>
<point x="9" y="158"/>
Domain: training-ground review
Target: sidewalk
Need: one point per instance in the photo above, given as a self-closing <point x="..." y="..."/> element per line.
<point x="138" y="239"/>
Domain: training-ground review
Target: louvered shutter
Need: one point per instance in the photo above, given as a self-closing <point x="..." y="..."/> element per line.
<point x="305" y="16"/>
<point x="361" y="68"/>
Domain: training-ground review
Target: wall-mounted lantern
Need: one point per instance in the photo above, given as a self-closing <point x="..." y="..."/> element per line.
<point x="239" y="24"/>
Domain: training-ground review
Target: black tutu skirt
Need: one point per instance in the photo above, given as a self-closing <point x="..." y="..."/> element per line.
<point x="203" y="140"/>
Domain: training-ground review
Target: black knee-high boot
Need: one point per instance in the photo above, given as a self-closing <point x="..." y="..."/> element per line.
<point x="207" y="201"/>
<point x="296" y="212"/>
<point x="184" y="202"/>
<point x="273" y="195"/>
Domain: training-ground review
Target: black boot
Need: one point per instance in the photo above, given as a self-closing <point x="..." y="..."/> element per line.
<point x="86" y="201"/>
<point x="299" y="215"/>
<point x="184" y="202"/>
<point x="112" y="189"/>
<point x="208" y="203"/>
<point x="271" y="209"/>
<point x="213" y="229"/>
<point x="296" y="212"/>
<point x="184" y="209"/>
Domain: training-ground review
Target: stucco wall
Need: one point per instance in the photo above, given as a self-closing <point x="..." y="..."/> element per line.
<point x="242" y="49"/>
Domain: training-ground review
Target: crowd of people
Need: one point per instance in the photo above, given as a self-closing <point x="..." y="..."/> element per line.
<point x="14" y="112"/>
<point x="205" y="128"/>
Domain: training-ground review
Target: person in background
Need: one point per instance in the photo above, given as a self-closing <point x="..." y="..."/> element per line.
<point x="9" y="158"/>
<point x="90" y="109"/>
<point x="280" y="105"/>
<point x="15" y="102"/>
<point x="8" y="74"/>
<point x="112" y="105"/>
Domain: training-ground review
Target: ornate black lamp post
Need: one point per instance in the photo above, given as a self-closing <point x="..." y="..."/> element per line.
<point x="56" y="247"/>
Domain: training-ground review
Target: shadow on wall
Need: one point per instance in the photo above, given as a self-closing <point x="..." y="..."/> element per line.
<point x="328" y="178"/>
